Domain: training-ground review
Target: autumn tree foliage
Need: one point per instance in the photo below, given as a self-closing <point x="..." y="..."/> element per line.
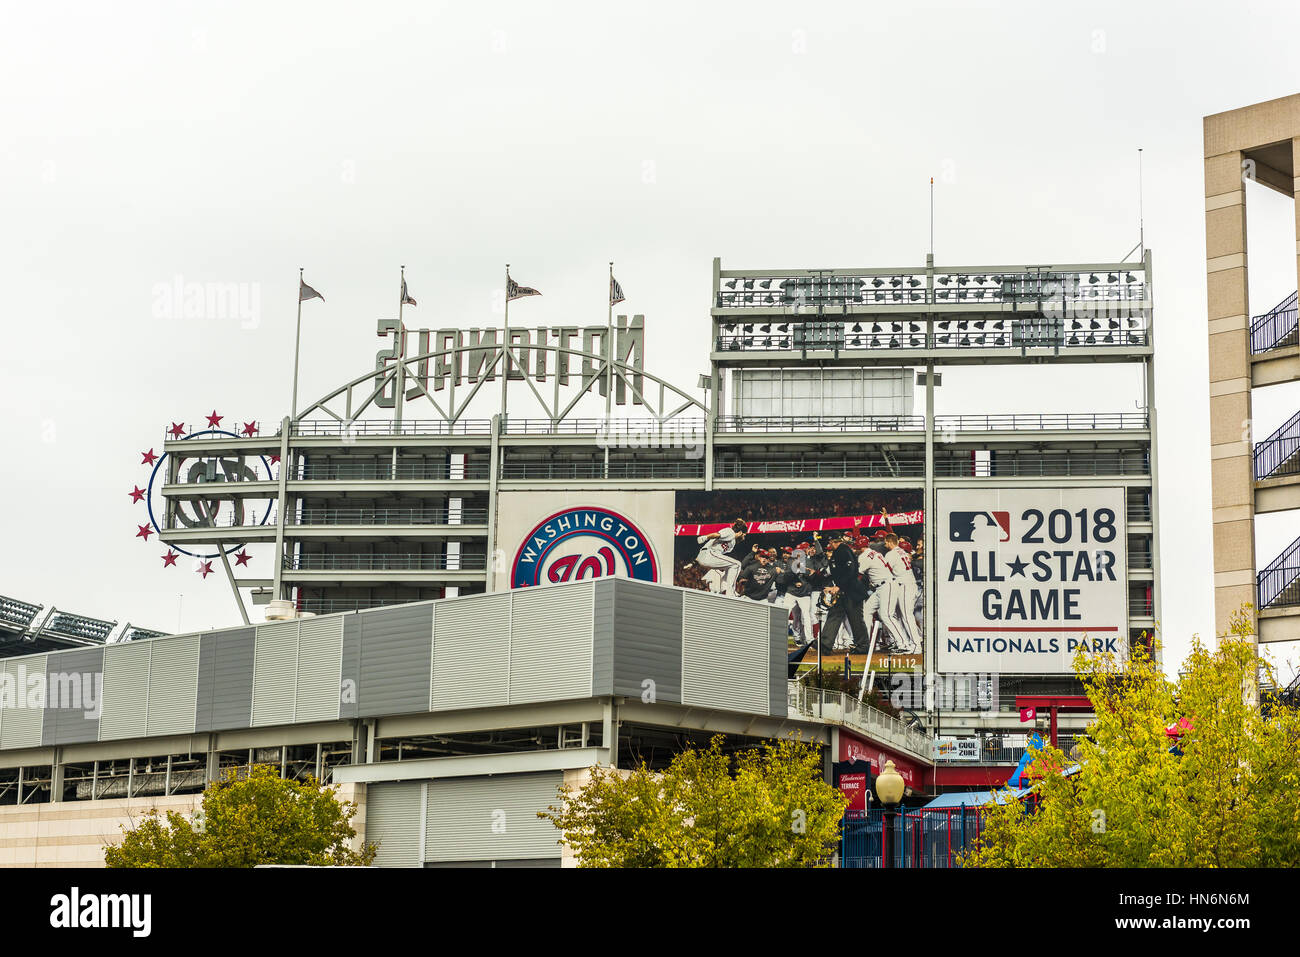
<point x="763" y="807"/>
<point x="1222" y="791"/>
<point x="258" y="818"/>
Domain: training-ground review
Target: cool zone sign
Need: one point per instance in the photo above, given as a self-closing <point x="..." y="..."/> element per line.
<point x="1028" y="577"/>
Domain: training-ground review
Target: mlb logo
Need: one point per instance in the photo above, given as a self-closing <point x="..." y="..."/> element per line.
<point x="968" y="526"/>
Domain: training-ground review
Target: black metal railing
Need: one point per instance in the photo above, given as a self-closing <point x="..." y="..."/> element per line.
<point x="1276" y="455"/>
<point x="1276" y="584"/>
<point x="1275" y="328"/>
<point x="1140" y="607"/>
<point x="1138" y="558"/>
<point x="1055" y="465"/>
<point x="583" y="471"/>
<point x="327" y="606"/>
<point x="1138" y="510"/>
<point x="1020" y="422"/>
<point x="391" y="516"/>
<point x="816" y="469"/>
<point x="821" y="423"/>
<point x="385" y="562"/>
<point x="385" y="471"/>
<point x="612" y="427"/>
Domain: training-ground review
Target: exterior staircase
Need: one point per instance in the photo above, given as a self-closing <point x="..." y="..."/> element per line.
<point x="1278" y="585"/>
<point x="1276" y="329"/>
<point x="1279" y="454"/>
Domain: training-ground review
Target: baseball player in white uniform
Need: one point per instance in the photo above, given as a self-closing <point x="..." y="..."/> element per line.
<point x="900" y="565"/>
<point x="886" y="595"/>
<point x="715" y="555"/>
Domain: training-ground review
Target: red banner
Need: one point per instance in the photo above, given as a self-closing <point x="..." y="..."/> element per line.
<point x="797" y="526"/>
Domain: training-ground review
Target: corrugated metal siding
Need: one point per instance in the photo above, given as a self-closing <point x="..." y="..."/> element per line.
<point x="393" y="810"/>
<point x="725" y="653"/>
<point x="491" y="818"/>
<point x="20" y="726"/>
<point x="173" y="683"/>
<point x="778" y="663"/>
<point x="320" y="653"/>
<point x="350" y="677"/>
<point x="126" y="690"/>
<point x="648" y="640"/>
<point x="471" y="653"/>
<point x="550" y="644"/>
<point x="396" y="645"/>
<point x="602" y="638"/>
<point x="73" y="682"/>
<point x="275" y="672"/>
<point x="226" y="680"/>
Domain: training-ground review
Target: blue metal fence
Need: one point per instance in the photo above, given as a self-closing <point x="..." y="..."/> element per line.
<point x="935" y="837"/>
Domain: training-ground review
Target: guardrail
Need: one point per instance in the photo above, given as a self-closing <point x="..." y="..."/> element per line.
<point x="1275" y="328"/>
<point x="611" y="427"/>
<point x="993" y="751"/>
<point x="391" y="516"/>
<point x="815" y="469"/>
<point x="327" y="606"/>
<point x="834" y="706"/>
<point x="583" y="471"/>
<point x="1274" y="582"/>
<point x="1276" y="456"/>
<point x="385" y="562"/>
<point x="821" y="423"/>
<point x="388" y="472"/>
<point x="1020" y="422"/>
<point x="1046" y="464"/>
<point x="367" y="427"/>
<point x="1139" y="511"/>
<point x="1005" y="335"/>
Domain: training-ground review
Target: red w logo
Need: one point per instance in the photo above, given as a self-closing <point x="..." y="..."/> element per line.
<point x="562" y="569"/>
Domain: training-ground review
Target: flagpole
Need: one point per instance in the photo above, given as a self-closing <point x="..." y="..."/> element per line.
<point x="297" y="344"/>
<point x="401" y="353"/>
<point x="505" y="349"/>
<point x="609" y="365"/>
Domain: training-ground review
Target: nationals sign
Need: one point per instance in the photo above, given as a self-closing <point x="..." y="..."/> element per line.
<point x="1028" y="576"/>
<point x="580" y="543"/>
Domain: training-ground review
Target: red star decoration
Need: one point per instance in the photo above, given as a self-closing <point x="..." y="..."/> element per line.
<point x="136" y="494"/>
<point x="214" y="420"/>
<point x="169" y="559"/>
<point x="148" y="458"/>
<point x="145" y="532"/>
<point x="205" y="569"/>
<point x="176" y="431"/>
<point x="242" y="558"/>
<point x="250" y="429"/>
<point x="274" y="459"/>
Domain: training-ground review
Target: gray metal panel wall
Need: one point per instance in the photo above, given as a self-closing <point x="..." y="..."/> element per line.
<point x="350" y="669"/>
<point x="320" y="653"/>
<point x="74" y="681"/>
<point x="173" y="685"/>
<point x="647" y="639"/>
<point x="726" y="653"/>
<point x="393" y="813"/>
<point x="491" y="818"/>
<point x="126" y="690"/>
<point x="602" y="638"/>
<point x="20" y="726"/>
<point x="225" y="698"/>
<point x="779" y="663"/>
<point x="275" y="673"/>
<point x="471" y="653"/>
<point x="396" y="645"/>
<point x="550" y="644"/>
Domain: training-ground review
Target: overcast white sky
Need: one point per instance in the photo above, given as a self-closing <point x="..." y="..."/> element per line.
<point x="234" y="142"/>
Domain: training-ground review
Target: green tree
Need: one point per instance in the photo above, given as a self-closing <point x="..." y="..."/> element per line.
<point x="1231" y="799"/>
<point x="772" y="809"/>
<point x="255" y="819"/>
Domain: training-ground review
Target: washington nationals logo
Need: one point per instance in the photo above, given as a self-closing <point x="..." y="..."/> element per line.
<point x="582" y="543"/>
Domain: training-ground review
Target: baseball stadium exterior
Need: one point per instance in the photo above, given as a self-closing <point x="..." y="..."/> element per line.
<point x="515" y="596"/>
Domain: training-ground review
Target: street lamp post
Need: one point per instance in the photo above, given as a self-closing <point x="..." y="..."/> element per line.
<point x="889" y="788"/>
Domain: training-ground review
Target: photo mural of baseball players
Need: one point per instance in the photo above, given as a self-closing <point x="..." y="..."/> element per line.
<point x="841" y="561"/>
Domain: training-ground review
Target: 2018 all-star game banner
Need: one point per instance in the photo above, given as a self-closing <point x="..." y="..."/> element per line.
<point x="1026" y="577"/>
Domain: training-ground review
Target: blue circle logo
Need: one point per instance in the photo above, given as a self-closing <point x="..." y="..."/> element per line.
<point x="581" y="543"/>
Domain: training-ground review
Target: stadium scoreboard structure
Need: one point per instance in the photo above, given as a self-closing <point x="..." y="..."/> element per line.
<point x="1033" y="534"/>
